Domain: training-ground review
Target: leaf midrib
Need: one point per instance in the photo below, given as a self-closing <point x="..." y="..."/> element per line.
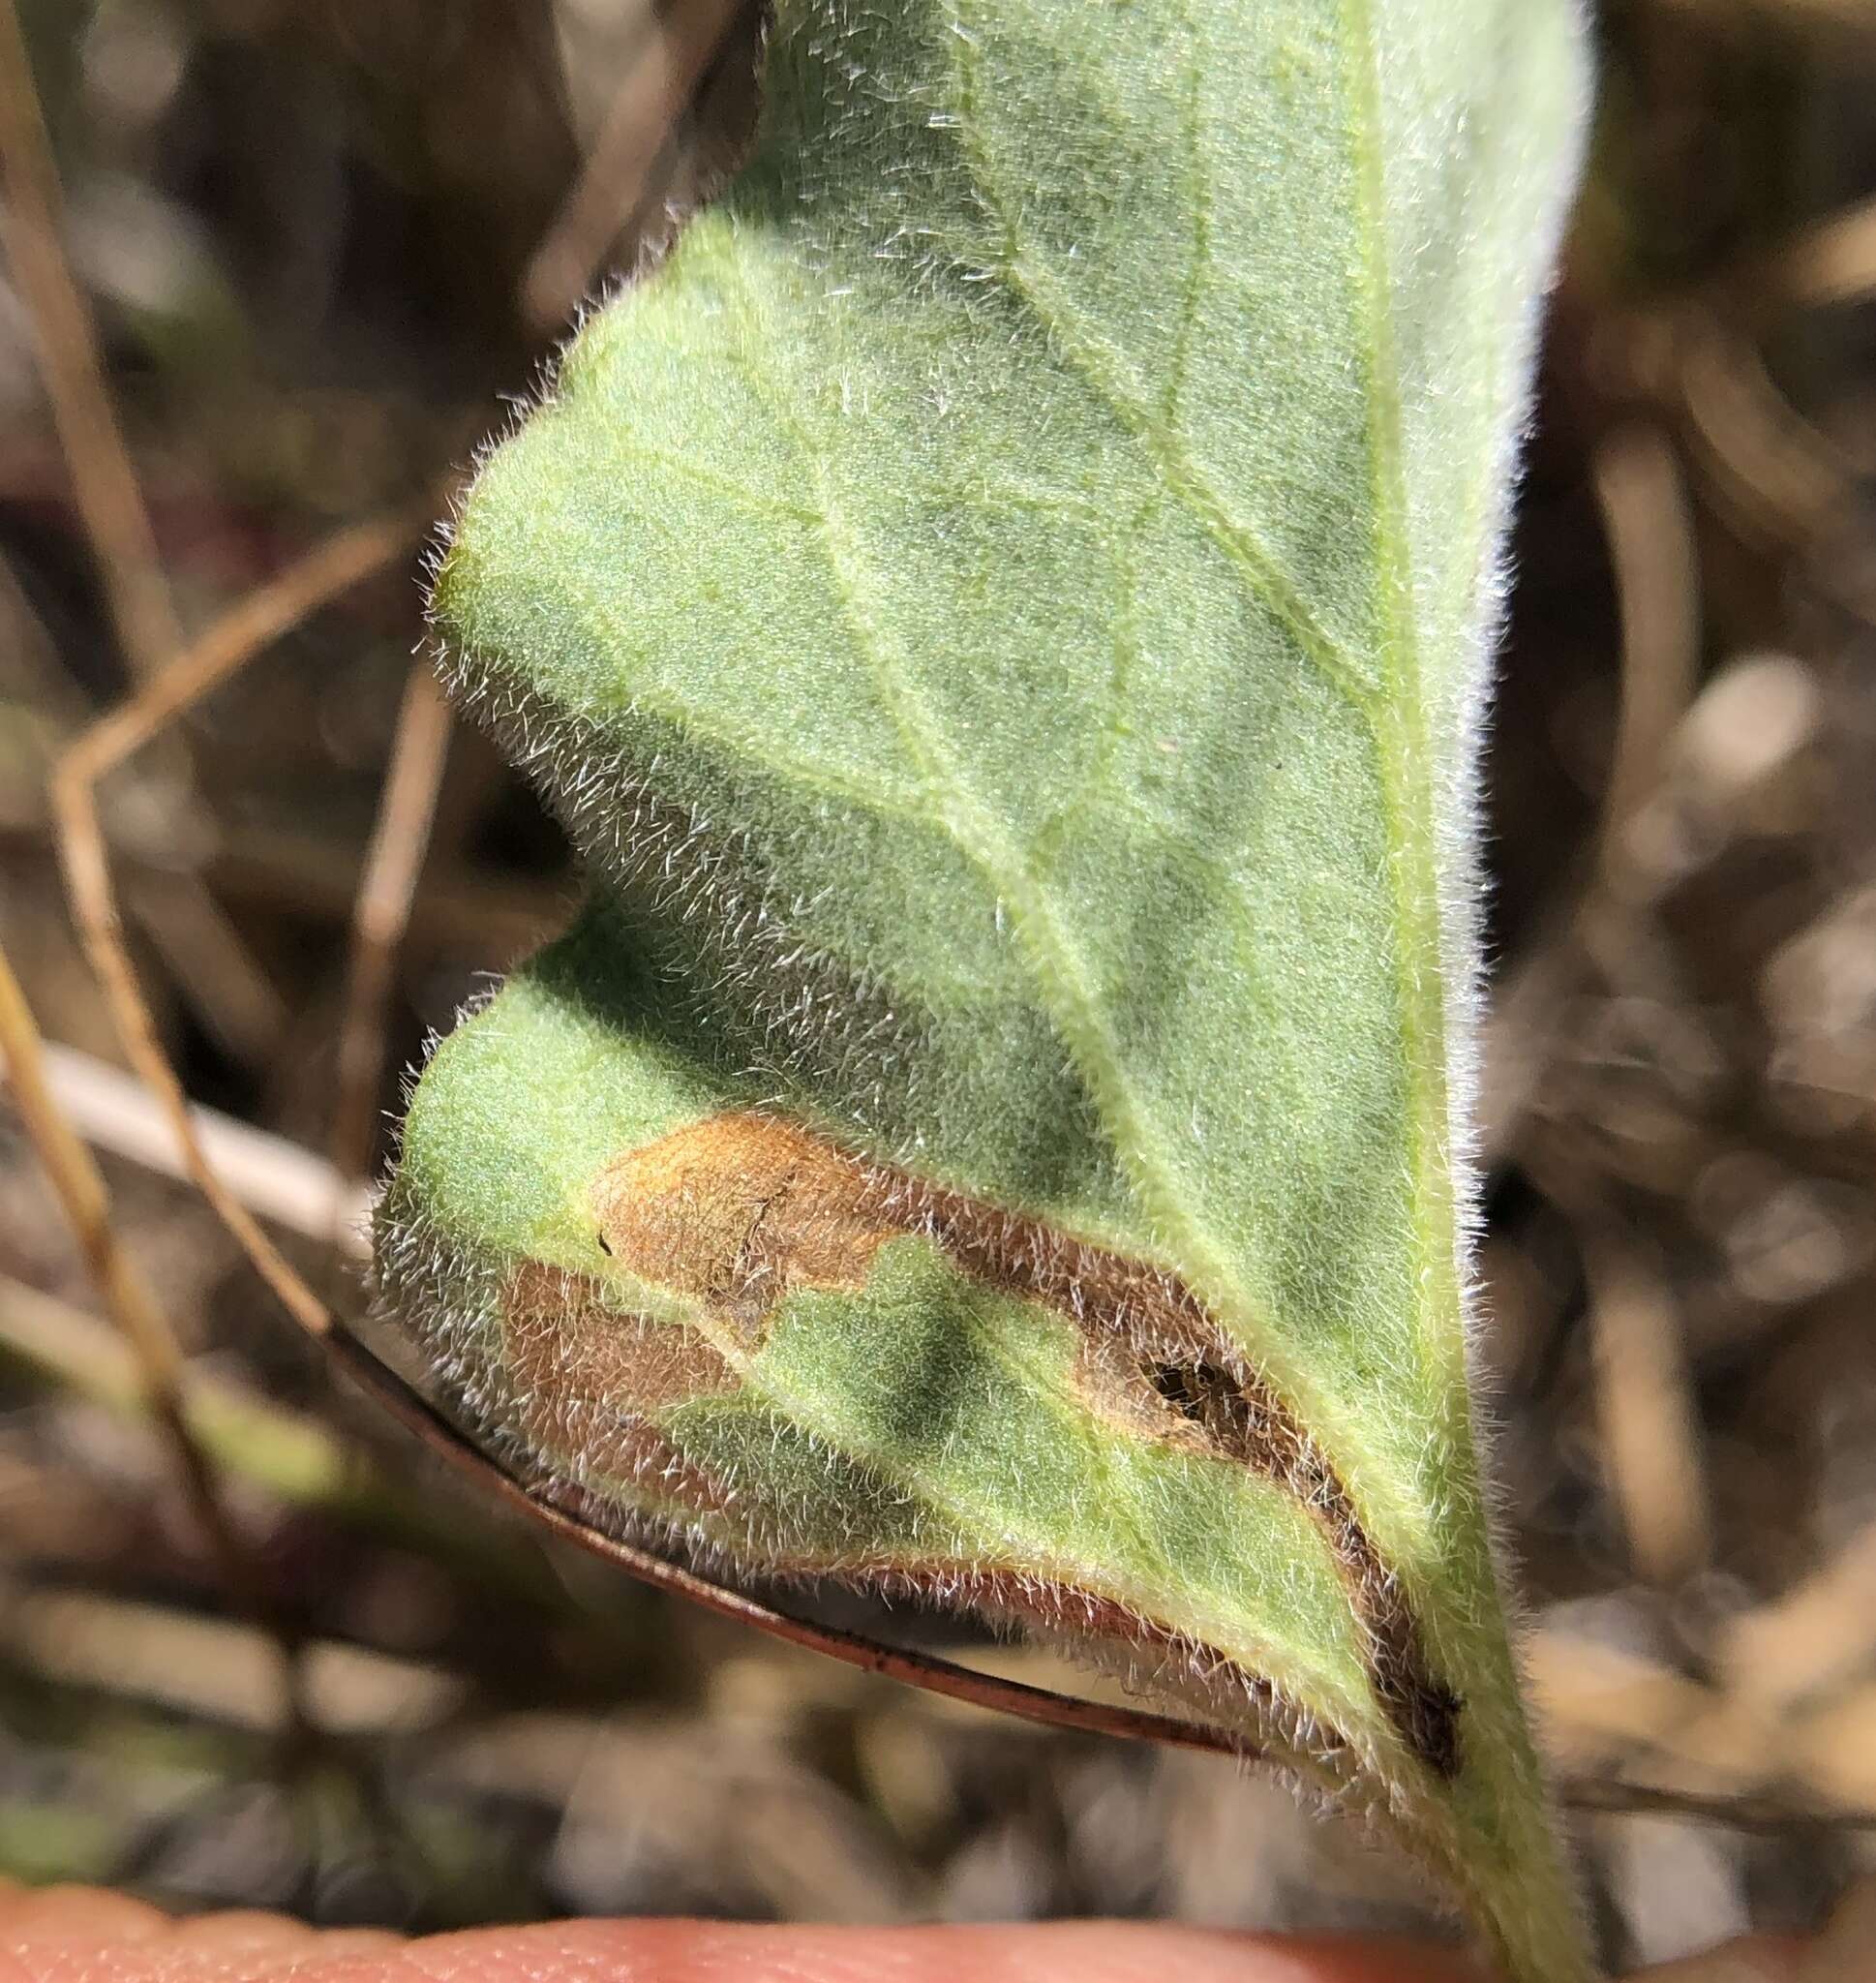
<point x="1393" y="717"/>
<point x="1403" y="745"/>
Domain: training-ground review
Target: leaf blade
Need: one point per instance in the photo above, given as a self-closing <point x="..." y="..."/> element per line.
<point x="999" y="611"/>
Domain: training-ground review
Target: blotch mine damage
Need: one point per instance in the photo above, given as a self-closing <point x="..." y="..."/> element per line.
<point x="742" y="1208"/>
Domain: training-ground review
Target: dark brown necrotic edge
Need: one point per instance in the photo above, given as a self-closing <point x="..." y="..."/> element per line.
<point x="431" y="1357"/>
<point x="744" y="1205"/>
<point x="440" y="1435"/>
<point x="1202" y="1375"/>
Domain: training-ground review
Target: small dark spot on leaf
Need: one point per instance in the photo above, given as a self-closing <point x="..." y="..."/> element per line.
<point x="1175" y="1386"/>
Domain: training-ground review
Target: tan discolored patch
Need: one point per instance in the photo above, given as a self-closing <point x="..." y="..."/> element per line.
<point x="738" y="1211"/>
<point x="742" y="1208"/>
<point x="590" y="1379"/>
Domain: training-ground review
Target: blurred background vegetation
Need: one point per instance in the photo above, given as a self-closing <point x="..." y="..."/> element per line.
<point x="321" y="245"/>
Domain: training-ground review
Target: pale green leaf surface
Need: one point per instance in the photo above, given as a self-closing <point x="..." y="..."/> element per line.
<point x="1003" y="609"/>
<point x="959" y="1405"/>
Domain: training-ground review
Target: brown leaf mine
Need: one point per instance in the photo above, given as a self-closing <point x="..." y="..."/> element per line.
<point x="587" y="1380"/>
<point x="742" y="1208"/>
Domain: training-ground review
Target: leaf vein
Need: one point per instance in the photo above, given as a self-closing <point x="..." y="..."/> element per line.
<point x="1257" y="569"/>
<point x="1401" y="734"/>
<point x="1054" y="961"/>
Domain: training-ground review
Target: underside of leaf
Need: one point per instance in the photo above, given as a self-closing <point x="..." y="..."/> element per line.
<point x="1001" y="611"/>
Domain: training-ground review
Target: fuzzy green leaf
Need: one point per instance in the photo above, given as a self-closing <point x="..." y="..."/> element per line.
<point x="1002" y="611"/>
